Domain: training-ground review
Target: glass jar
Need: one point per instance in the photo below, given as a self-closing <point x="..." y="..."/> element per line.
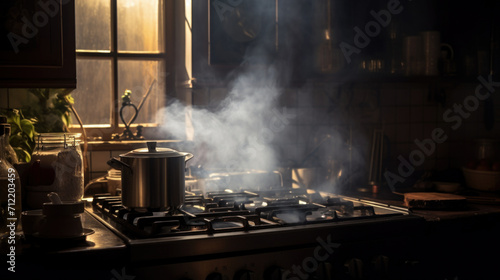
<point x="56" y="166"/>
<point x="114" y="181"/>
<point x="487" y="149"/>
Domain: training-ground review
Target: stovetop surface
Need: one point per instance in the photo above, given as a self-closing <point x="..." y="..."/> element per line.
<point x="242" y="221"/>
<point x="219" y="212"/>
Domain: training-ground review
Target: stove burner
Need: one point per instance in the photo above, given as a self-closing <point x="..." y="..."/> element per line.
<point x="197" y="215"/>
<point x="235" y="211"/>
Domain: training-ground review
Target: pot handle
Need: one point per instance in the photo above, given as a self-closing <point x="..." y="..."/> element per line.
<point x="188" y="156"/>
<point x="120" y="165"/>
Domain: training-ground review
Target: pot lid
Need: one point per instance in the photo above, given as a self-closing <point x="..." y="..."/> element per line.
<point x="156" y="152"/>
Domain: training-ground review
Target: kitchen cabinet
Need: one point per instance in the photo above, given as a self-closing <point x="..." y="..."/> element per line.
<point x="385" y="40"/>
<point x="351" y="41"/>
<point x="230" y="34"/>
<point x="37" y="44"/>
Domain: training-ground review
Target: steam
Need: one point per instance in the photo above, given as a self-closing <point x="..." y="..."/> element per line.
<point x="239" y="135"/>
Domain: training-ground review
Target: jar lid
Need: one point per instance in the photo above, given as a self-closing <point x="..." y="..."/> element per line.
<point x="156" y="152"/>
<point x="56" y="139"/>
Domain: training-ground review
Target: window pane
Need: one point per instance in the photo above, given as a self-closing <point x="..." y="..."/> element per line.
<point x="93" y="92"/>
<point x="137" y="76"/>
<point x="92" y="20"/>
<point x="139" y="24"/>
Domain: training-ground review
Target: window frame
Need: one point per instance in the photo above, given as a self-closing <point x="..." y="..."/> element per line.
<point x="165" y="56"/>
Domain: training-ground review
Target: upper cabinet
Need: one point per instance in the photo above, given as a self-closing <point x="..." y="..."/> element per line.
<point x="344" y="40"/>
<point x="37" y="44"/>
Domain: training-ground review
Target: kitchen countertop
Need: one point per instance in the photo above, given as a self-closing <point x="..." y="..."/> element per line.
<point x="101" y="254"/>
<point x="479" y="205"/>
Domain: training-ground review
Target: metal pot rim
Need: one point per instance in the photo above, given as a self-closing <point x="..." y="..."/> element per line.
<point x="159" y="153"/>
<point x="155" y="152"/>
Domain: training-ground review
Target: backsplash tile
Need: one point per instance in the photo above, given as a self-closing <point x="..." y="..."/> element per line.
<point x="118" y="153"/>
<point x="403" y="114"/>
<point x="4" y="98"/>
<point x="99" y="159"/>
<point x="418" y="96"/>
<point x="429" y="114"/>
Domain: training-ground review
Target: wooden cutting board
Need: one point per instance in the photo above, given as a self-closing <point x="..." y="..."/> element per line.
<point x="434" y="200"/>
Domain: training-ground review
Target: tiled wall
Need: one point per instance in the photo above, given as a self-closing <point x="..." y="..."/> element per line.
<point x="412" y="112"/>
<point x="97" y="162"/>
<point x="405" y="111"/>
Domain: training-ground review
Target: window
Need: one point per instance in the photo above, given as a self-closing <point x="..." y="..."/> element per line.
<point x="120" y="44"/>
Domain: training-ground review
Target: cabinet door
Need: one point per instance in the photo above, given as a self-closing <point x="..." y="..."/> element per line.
<point x="37" y="43"/>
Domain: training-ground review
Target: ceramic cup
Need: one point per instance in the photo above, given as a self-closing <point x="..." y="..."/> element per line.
<point x="30" y="221"/>
<point x="62" y="220"/>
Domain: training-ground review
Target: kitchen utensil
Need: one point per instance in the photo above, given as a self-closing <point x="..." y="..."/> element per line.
<point x="376" y="159"/>
<point x="305" y="177"/>
<point x="54" y="198"/>
<point x="413" y="55"/>
<point x="434" y="201"/>
<point x="447" y="60"/>
<point x="30" y="221"/>
<point x="61" y="220"/>
<point x="152" y="177"/>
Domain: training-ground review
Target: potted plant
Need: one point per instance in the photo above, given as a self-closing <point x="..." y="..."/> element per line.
<point x="48" y="110"/>
<point x="51" y="109"/>
<point x="22" y="134"/>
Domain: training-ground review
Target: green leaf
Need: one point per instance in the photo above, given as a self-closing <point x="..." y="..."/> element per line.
<point x="16" y="140"/>
<point x="28" y="128"/>
<point x="15" y="122"/>
<point x="22" y="155"/>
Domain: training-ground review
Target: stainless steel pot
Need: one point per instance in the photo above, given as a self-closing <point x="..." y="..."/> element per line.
<point x="153" y="177"/>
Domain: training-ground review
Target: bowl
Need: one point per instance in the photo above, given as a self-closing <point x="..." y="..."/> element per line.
<point x="482" y="180"/>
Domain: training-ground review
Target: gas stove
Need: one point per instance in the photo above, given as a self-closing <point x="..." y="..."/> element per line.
<point x="245" y="211"/>
<point x="274" y="233"/>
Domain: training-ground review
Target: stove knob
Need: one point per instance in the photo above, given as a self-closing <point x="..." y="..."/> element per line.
<point x="273" y="273"/>
<point x="244" y="274"/>
<point x="354" y="269"/>
<point x="214" y="276"/>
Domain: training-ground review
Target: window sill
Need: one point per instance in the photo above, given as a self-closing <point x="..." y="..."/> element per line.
<point x="125" y="145"/>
